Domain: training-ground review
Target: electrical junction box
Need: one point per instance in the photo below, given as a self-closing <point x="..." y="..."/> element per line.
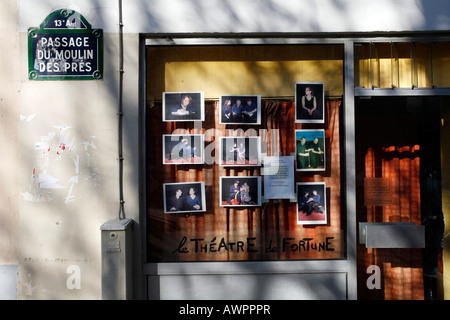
<point x="116" y="244"/>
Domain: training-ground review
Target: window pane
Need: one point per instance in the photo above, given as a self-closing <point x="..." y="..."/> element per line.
<point x="251" y="226"/>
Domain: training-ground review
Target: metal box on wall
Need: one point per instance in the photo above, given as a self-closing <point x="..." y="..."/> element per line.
<point x="392" y="235"/>
<point x="116" y="244"/>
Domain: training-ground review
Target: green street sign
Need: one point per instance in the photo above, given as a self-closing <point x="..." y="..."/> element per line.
<point x="65" y="47"/>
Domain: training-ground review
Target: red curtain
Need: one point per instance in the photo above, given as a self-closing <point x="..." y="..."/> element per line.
<point x="268" y="224"/>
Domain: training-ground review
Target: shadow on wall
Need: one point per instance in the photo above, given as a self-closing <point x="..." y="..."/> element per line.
<point x="69" y="176"/>
<point x="289" y="16"/>
<point x="248" y="285"/>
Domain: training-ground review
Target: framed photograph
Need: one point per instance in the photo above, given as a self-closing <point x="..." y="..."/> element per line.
<point x="240" y="151"/>
<point x="311" y="203"/>
<point x="240" y="191"/>
<point x="184" y="197"/>
<point x="310" y="150"/>
<point x="240" y="109"/>
<point x="183" y="106"/>
<point x="309" y="102"/>
<point x="183" y="148"/>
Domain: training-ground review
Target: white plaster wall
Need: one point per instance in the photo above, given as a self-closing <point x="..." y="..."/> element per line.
<point x="66" y="195"/>
<point x="9" y="145"/>
<point x="8" y="282"/>
<point x="250" y="15"/>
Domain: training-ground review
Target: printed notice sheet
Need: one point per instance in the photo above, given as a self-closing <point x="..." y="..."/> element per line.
<point x="279" y="177"/>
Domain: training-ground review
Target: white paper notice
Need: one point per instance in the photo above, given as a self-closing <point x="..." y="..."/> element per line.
<point x="279" y="177"/>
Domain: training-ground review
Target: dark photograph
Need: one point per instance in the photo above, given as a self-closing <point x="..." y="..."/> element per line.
<point x="183" y="149"/>
<point x="183" y="106"/>
<point x="184" y="197"/>
<point x="240" y="151"/>
<point x="240" y="109"/>
<point x="311" y="203"/>
<point x="309" y="102"/>
<point x="240" y="191"/>
<point x="310" y="150"/>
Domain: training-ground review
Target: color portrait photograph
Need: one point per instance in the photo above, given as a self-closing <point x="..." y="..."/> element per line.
<point x="182" y="197"/>
<point x="240" y="109"/>
<point x="240" y="151"/>
<point x="310" y="150"/>
<point x="183" y="106"/>
<point x="240" y="191"/>
<point x="311" y="203"/>
<point x="183" y="149"/>
<point x="309" y="102"/>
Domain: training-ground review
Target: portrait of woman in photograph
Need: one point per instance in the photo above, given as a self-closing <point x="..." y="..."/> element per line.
<point x="179" y="106"/>
<point x="309" y="102"/>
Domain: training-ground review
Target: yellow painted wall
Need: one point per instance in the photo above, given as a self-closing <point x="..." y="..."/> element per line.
<point x="268" y="78"/>
<point x="381" y="65"/>
<point x="270" y="71"/>
<point x="441" y="63"/>
<point x="445" y="167"/>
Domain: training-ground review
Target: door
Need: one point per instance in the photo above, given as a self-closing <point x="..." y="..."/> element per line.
<point x="398" y="145"/>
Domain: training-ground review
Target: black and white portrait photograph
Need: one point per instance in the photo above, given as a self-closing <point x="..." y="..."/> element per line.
<point x="240" y="151"/>
<point x="183" y="148"/>
<point x="183" y="106"/>
<point x="309" y="102"/>
<point x="184" y="197"/>
<point x="240" y="109"/>
<point x="311" y="203"/>
<point x="310" y="150"/>
<point x="240" y="191"/>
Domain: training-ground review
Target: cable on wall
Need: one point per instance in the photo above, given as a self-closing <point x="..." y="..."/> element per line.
<point x="120" y="115"/>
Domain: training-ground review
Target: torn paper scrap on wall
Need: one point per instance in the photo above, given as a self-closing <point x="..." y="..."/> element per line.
<point x="59" y="164"/>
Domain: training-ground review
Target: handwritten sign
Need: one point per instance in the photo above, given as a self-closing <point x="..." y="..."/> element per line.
<point x="65" y="47"/>
<point x="251" y="245"/>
